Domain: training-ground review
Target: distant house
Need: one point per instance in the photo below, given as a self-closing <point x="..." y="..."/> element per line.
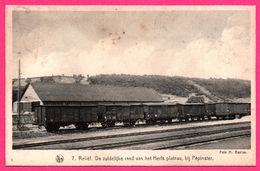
<point x="77" y="94"/>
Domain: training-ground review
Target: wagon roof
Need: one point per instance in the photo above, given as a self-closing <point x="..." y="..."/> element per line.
<point x="122" y="104"/>
<point x="231" y="103"/>
<point x="187" y="104"/>
<point x="160" y="104"/>
<point x="90" y="93"/>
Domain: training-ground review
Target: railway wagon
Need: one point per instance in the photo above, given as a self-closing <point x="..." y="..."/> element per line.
<point x="232" y="110"/>
<point x="136" y="113"/>
<point x="210" y="110"/>
<point x="193" y="111"/>
<point x="126" y="113"/>
<point x="154" y="112"/>
<point x="52" y="117"/>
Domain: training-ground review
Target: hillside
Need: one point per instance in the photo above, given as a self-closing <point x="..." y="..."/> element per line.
<point x="214" y="89"/>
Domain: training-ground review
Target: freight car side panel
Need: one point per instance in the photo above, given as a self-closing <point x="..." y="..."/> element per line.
<point x="164" y="112"/>
<point x="201" y="110"/>
<point x="88" y="114"/>
<point x="40" y="115"/>
<point x="136" y="112"/>
<point x="210" y="109"/>
<point x="193" y="110"/>
<point x="222" y="109"/>
<point x="173" y="111"/>
<point x="125" y="113"/>
<point x="100" y="112"/>
<point x="56" y="113"/>
<point x="238" y="108"/>
<point x="94" y="114"/>
<point x="68" y="114"/>
<point x="43" y="115"/>
<point x="51" y="115"/>
<point x="36" y="116"/>
<point x="154" y="111"/>
<point x="111" y="113"/>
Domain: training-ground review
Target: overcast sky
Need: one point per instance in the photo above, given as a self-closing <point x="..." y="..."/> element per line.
<point x="185" y="43"/>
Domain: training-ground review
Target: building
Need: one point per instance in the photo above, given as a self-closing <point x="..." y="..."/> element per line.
<point x="54" y="94"/>
<point x="24" y="82"/>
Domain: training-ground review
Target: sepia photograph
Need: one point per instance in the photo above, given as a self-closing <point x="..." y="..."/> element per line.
<point x="130" y="85"/>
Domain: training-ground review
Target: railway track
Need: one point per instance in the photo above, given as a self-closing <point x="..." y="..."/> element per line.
<point x="163" y="139"/>
<point x="160" y="139"/>
<point x="97" y="128"/>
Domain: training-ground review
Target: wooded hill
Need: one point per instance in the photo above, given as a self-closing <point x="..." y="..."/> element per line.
<point x="216" y="89"/>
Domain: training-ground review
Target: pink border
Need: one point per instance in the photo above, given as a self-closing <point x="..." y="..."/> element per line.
<point x="3" y="3"/>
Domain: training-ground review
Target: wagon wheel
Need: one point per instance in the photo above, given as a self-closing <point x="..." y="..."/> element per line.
<point x="239" y="116"/>
<point x="52" y="127"/>
<point x="231" y="117"/>
<point x="126" y="124"/>
<point x="149" y="122"/>
<point x="180" y="119"/>
<point x="111" y="124"/>
<point x="132" y="123"/>
<point x="104" y="124"/>
<point x="81" y="126"/>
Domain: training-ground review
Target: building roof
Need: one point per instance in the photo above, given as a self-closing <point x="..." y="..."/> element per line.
<point x="90" y="93"/>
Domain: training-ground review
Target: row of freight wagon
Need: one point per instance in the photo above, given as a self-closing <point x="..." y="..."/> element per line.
<point x="53" y="117"/>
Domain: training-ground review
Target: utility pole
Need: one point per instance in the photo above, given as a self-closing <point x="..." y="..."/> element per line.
<point x="18" y="96"/>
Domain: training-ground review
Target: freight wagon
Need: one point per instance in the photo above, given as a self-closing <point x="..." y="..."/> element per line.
<point x="191" y="111"/>
<point x="232" y="110"/>
<point x="210" y="110"/>
<point x="154" y="112"/>
<point x="126" y="113"/>
<point x="52" y="117"/>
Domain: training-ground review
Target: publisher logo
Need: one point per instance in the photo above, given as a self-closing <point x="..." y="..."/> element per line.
<point x="59" y="158"/>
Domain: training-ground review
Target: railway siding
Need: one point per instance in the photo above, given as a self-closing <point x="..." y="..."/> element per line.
<point x="133" y="140"/>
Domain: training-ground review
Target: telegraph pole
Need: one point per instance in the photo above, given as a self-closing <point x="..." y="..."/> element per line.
<point x="18" y="96"/>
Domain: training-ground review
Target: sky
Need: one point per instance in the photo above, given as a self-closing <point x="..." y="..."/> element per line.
<point x="204" y="44"/>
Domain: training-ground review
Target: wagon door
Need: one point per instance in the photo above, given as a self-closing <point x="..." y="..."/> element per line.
<point x="84" y="114"/>
<point x="210" y="109"/>
<point x="202" y="110"/>
<point x="39" y="115"/>
<point x="36" y="115"/>
<point x="146" y="112"/>
<point x="196" y="110"/>
<point x="187" y="111"/>
<point x="111" y="113"/>
<point x="119" y="113"/>
<point x="94" y="114"/>
<point x="222" y="109"/>
<point x="125" y="113"/>
<point x="101" y="113"/>
<point x="163" y="113"/>
<point x="140" y="112"/>
<point x="43" y="116"/>
<point x="173" y="111"/>
<point x="132" y="113"/>
<point x="233" y="109"/>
